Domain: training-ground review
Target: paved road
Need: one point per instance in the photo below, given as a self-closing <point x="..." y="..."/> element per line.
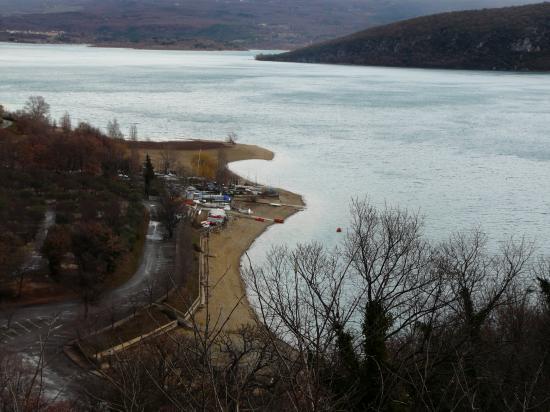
<point x="4" y="124"/>
<point x="47" y="328"/>
<point x="35" y="260"/>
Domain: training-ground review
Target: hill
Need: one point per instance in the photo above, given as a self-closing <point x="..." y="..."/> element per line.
<point x="208" y="24"/>
<point x="511" y="38"/>
<point x="187" y="24"/>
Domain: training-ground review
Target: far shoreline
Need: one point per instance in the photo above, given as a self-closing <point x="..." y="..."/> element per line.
<point x="149" y="46"/>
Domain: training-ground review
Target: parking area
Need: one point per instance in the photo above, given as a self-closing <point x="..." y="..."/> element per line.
<point x="44" y="326"/>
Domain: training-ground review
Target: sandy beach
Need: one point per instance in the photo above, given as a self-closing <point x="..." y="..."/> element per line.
<point x="181" y="153"/>
<point x="228" y="304"/>
<point x="227" y="301"/>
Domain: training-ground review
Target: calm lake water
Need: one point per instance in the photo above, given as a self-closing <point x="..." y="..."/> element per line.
<point x="463" y="148"/>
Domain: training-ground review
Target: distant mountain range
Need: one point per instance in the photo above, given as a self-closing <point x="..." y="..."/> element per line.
<point x="208" y="24"/>
<point x="512" y="38"/>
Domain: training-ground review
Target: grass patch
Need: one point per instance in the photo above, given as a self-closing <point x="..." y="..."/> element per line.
<point x="145" y="321"/>
<point x="187" y="265"/>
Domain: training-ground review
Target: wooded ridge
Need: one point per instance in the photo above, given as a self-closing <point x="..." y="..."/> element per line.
<point x="511" y="38"/>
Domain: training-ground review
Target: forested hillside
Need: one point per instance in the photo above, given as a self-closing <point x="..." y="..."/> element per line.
<point x="513" y="38"/>
<point x="208" y="24"/>
<point x="70" y="217"/>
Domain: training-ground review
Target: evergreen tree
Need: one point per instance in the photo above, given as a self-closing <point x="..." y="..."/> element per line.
<point x="544" y="285"/>
<point x="148" y="175"/>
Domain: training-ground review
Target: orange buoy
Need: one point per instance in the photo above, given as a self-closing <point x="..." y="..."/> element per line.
<point x="338" y="230"/>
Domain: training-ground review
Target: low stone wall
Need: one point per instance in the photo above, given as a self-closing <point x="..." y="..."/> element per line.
<point x="125" y="345"/>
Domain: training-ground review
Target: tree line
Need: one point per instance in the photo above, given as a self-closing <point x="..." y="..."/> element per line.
<point x="387" y="321"/>
<point x="75" y="173"/>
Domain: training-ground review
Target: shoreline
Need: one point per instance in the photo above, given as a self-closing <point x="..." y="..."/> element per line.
<point x="228" y="300"/>
<point x="181" y="45"/>
<point x="199" y="47"/>
<point x="229" y="303"/>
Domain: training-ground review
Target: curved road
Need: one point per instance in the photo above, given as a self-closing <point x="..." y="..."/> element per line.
<point x="47" y="328"/>
<point x="4" y="124"/>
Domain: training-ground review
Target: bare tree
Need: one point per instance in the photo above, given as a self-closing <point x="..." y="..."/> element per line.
<point x="453" y="355"/>
<point x="37" y="108"/>
<point x="8" y="313"/>
<point x="170" y="210"/>
<point x="167" y="161"/>
<point x="384" y="322"/>
<point x="22" y="383"/>
<point x="13" y="253"/>
<point x="113" y="130"/>
<point x="231" y="138"/>
<point x="222" y="173"/>
<point x="135" y="164"/>
<point x="480" y="284"/>
<point x="65" y="122"/>
<point x="207" y="368"/>
<point x="133" y="133"/>
<point x="344" y="308"/>
<point x="479" y="281"/>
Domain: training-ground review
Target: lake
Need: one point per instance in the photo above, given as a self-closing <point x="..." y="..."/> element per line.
<point x="463" y="148"/>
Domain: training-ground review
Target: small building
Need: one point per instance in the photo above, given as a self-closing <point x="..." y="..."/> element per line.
<point x="216" y="217"/>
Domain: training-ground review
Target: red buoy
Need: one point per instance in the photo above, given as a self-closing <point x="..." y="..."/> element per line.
<point x="338" y="230"/>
